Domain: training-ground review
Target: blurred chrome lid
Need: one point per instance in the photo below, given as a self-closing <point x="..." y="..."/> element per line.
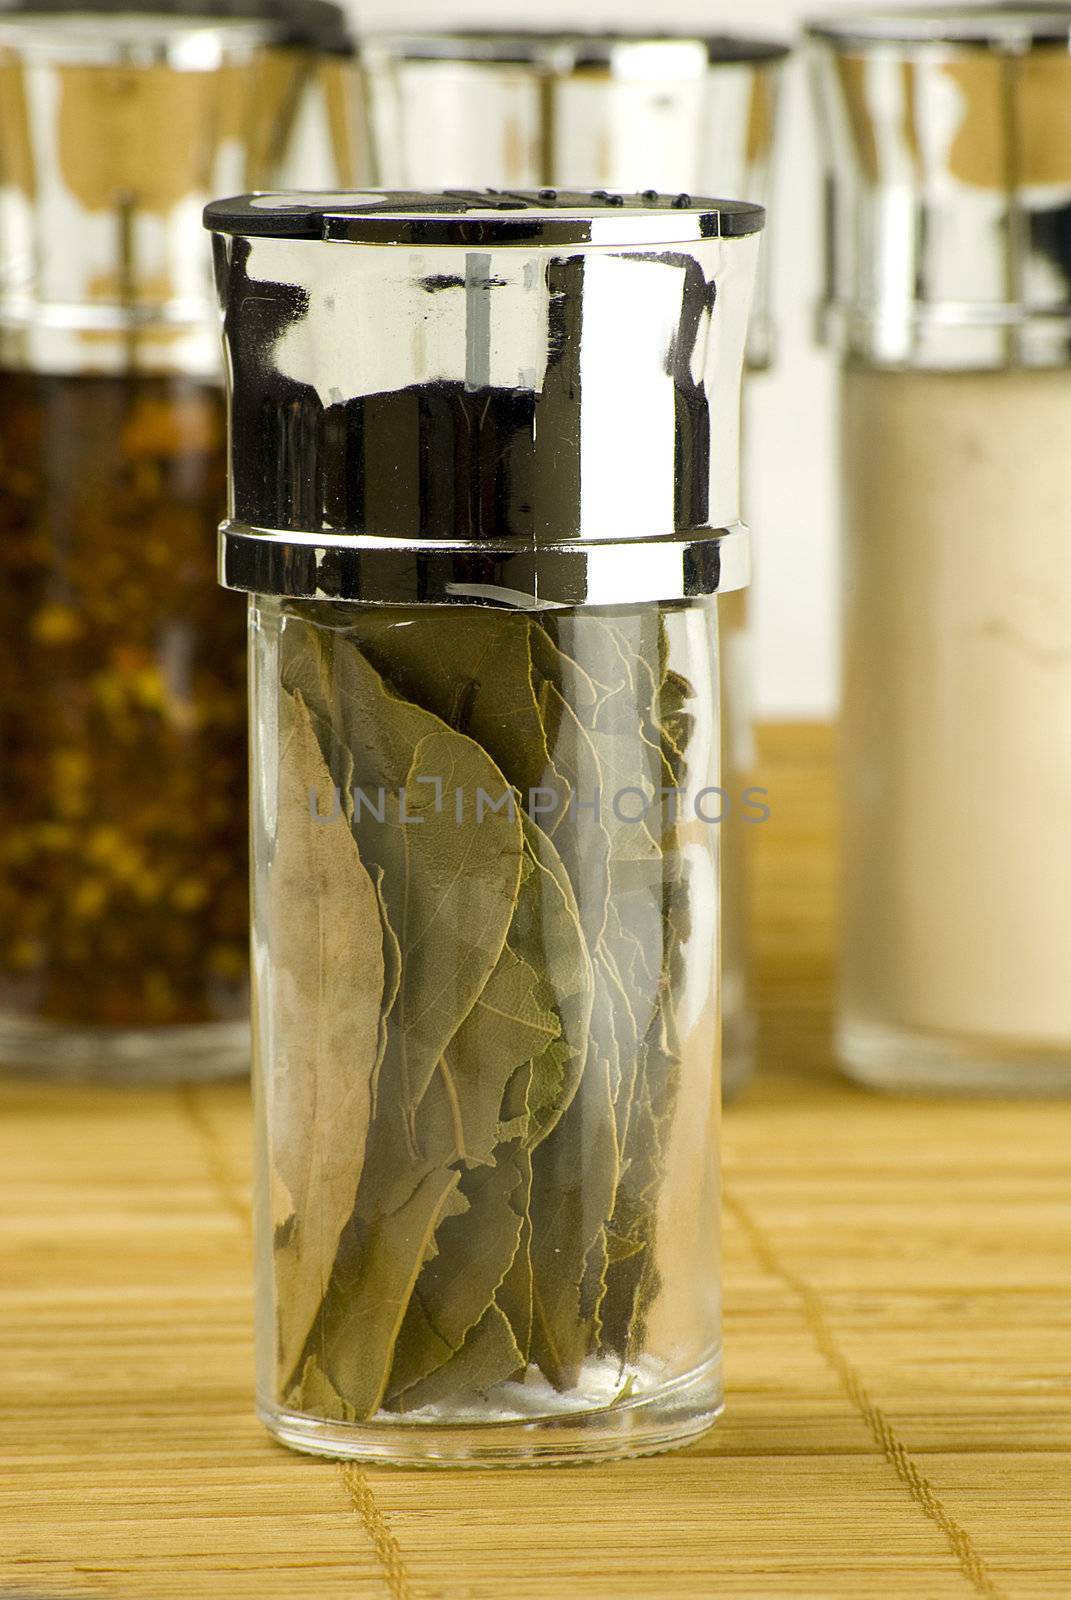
<point x="518" y="108"/>
<point x="118" y="121"/>
<point x="948" y="142"/>
<point x="563" y="50"/>
<point x="160" y="30"/>
<point x="1014" y="26"/>
<point x="517" y="399"/>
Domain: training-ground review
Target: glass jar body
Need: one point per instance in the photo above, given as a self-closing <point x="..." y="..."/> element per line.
<point x="486" y="1029"/>
<point x="122" y="717"/>
<point x="956" y="942"/>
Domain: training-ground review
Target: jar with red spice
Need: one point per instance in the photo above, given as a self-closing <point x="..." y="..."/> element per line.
<point x="123" y="918"/>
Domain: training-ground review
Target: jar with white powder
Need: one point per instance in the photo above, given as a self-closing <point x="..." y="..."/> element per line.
<point x="948" y="136"/>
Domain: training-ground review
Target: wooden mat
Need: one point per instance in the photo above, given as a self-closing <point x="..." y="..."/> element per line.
<point x="898" y="1328"/>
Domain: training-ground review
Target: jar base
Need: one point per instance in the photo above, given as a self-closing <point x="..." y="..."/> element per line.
<point x="662" y="1419"/>
<point x="140" y="1056"/>
<point x="901" y="1060"/>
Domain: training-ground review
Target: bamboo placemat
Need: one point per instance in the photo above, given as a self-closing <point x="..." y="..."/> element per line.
<point x="898" y="1328"/>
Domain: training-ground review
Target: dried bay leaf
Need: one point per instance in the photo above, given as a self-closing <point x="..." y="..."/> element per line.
<point x="551" y="1081"/>
<point x="316" y="1395"/>
<point x="403" y="1197"/>
<point x="584" y="843"/>
<point x="632" y="1275"/>
<point x="392" y="980"/>
<point x="403" y="1149"/>
<point x="428" y="1140"/>
<point x="546" y="929"/>
<point x="637" y="954"/>
<point x="676" y="722"/>
<point x="514" y="1294"/>
<point x="453" y="905"/>
<point x="596" y="844"/>
<point x="489" y="1355"/>
<point x="455" y="1288"/>
<point x="378" y="1262"/>
<point x="327" y="987"/>
<point x="601" y="843"/>
<point x="552" y="664"/>
<point x="450" y="891"/>
<point x="574" y="1181"/>
<point x="638" y="650"/>
<point x="623" y="655"/>
<point x="473" y="668"/>
<point x="633" y="1280"/>
<point x="575" y="1169"/>
<point x="506" y="1027"/>
<point x="512" y="1023"/>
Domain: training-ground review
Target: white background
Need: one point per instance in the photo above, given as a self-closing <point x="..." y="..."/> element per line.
<point x="790" y="472"/>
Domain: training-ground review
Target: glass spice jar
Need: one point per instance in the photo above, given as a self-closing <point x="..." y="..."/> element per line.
<point x="484" y="491"/>
<point x="123" y="920"/>
<point x="520" y="109"/>
<point x="949" y="142"/>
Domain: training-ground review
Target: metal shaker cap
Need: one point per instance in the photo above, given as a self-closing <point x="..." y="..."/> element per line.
<point x="119" y="119"/>
<point x="948" y="143"/>
<point x="517" y="399"/>
<point x="150" y="28"/>
<point x="553" y="48"/>
<point x="520" y="108"/>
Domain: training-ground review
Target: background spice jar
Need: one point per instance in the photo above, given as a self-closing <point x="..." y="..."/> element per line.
<point x="948" y="134"/>
<point x="520" y="108"/>
<point x="122" y="707"/>
<point x="123" y="904"/>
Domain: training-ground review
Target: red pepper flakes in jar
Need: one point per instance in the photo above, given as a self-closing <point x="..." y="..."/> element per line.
<point x="122" y="708"/>
<point x="123" y="855"/>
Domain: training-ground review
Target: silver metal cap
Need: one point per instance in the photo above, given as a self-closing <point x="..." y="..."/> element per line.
<point x="517" y="399"/>
<point x="119" y="122"/>
<point x="948" y="140"/>
<point x="523" y="108"/>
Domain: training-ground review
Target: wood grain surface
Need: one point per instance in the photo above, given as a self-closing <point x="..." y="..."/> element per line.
<point x="898" y="1333"/>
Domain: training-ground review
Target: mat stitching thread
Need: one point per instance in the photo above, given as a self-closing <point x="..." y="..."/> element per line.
<point x="359" y="1490"/>
<point x="230" y="1192"/>
<point x="879" y="1426"/>
<point x="378" y="1530"/>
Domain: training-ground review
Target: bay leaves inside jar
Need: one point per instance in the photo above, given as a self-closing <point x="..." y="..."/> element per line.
<point x="593" y="959"/>
<point x="475" y="668"/>
<point x="457" y="1287"/>
<point x="534" y="1011"/>
<point x="326" y="998"/>
<point x="449" y="889"/>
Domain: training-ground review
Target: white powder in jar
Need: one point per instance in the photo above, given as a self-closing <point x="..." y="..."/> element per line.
<point x="957" y="719"/>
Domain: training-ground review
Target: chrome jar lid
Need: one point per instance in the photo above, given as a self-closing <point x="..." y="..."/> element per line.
<point x="621" y="109"/>
<point x="948" y="146"/>
<point x="559" y="49"/>
<point x="519" y="399"/>
<point x="119" y="119"/>
<point x="142" y="31"/>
